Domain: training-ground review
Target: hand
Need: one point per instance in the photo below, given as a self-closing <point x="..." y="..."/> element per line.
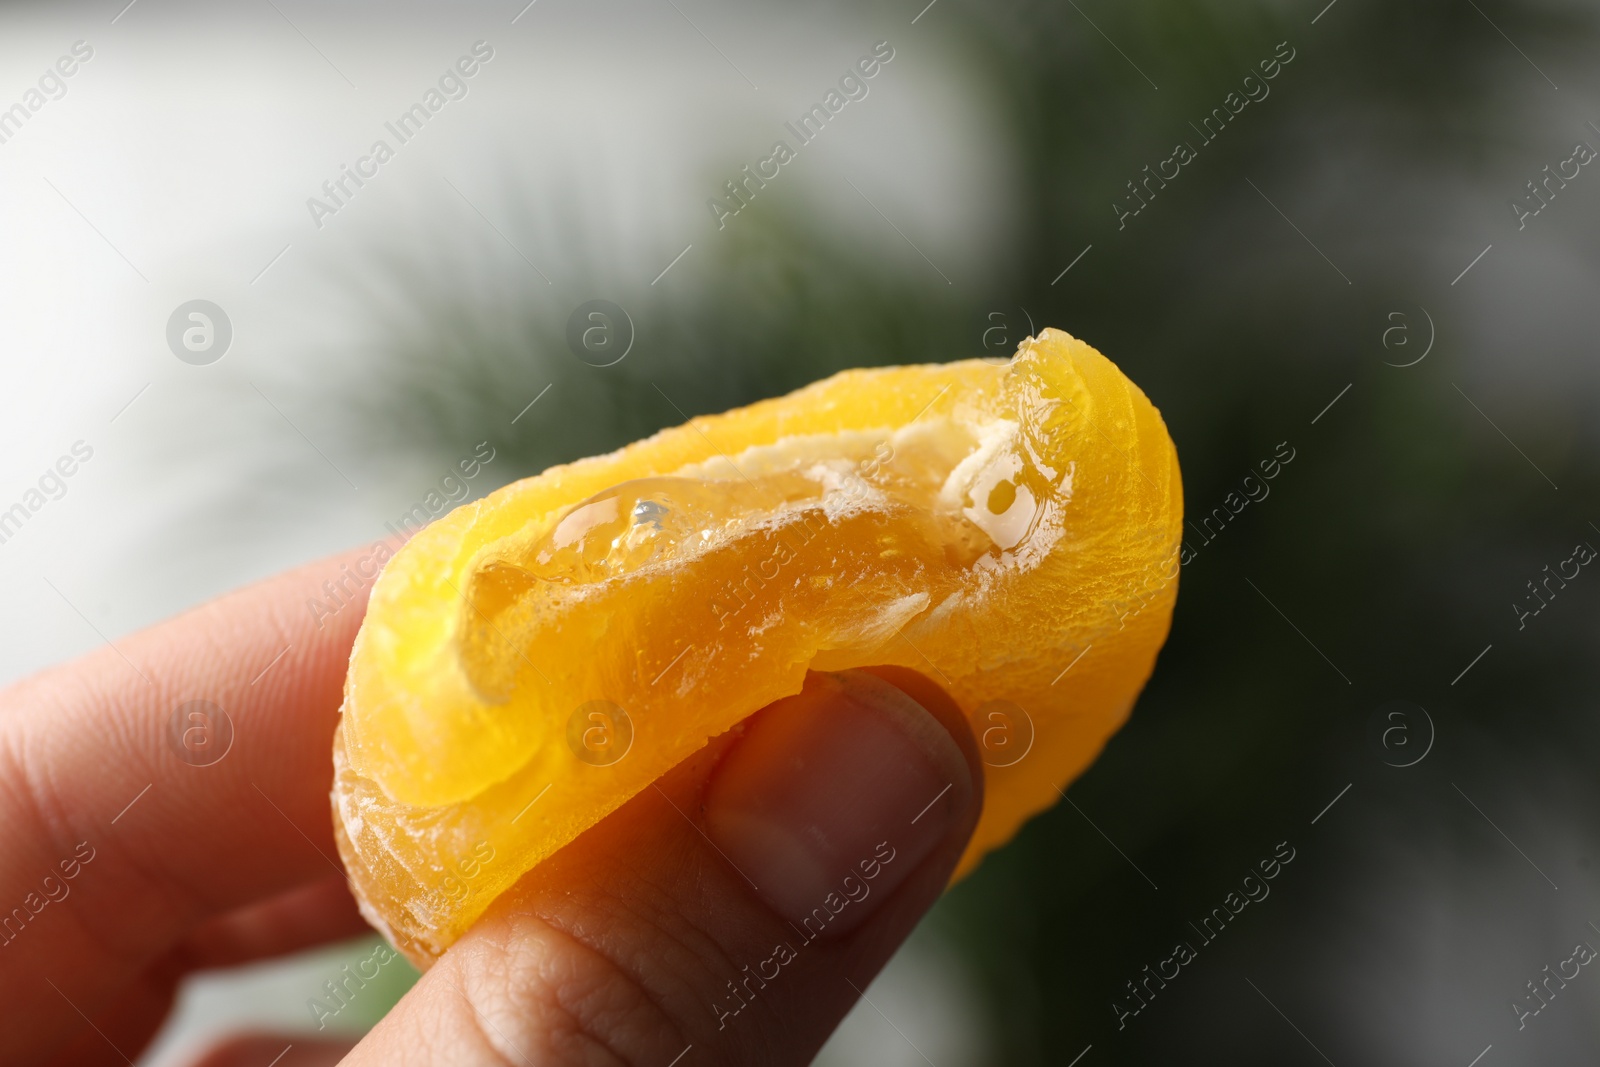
<point x="729" y="916"/>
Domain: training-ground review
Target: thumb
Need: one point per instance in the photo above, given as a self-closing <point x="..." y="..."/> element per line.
<point x="731" y="914"/>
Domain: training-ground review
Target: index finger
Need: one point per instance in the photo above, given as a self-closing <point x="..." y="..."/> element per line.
<point x="171" y="776"/>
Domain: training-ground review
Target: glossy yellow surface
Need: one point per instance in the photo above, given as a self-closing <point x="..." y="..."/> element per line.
<point x="532" y="660"/>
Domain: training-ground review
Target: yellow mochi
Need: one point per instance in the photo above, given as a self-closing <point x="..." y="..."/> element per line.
<point x="531" y="661"/>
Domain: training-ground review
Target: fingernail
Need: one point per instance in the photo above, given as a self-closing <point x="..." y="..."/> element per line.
<point x="833" y="797"/>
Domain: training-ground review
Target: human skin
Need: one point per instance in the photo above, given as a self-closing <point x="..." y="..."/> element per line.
<point x="617" y="950"/>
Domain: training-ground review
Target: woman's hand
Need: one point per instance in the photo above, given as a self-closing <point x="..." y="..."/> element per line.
<point x="731" y="914"/>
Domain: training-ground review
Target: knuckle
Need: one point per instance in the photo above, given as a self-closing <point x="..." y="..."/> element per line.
<point x="36" y="813"/>
<point x="612" y="988"/>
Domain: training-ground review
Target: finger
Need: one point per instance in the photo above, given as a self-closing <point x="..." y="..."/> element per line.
<point x="119" y="834"/>
<point x="312" y="914"/>
<point x="124" y="1022"/>
<point x="735" y="910"/>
